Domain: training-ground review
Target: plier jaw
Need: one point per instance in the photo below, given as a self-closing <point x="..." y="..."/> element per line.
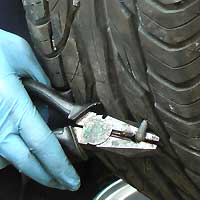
<point x="114" y="135"/>
<point x="89" y="129"/>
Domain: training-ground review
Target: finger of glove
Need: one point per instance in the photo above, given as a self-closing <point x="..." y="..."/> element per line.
<point x="3" y="163"/>
<point x="15" y="150"/>
<point x="47" y="149"/>
<point x="45" y="145"/>
<point x="37" y="135"/>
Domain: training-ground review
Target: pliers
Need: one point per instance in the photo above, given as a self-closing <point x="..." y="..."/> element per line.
<point x="90" y="129"/>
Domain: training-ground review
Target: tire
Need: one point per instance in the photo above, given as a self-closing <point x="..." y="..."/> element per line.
<point x="141" y="60"/>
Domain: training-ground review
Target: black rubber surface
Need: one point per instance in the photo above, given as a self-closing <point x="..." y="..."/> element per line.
<point x="141" y="60"/>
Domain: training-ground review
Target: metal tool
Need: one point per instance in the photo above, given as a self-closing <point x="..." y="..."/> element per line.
<point x="91" y="130"/>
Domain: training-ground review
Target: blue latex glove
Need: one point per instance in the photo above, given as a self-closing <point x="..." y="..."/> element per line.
<point x="25" y="139"/>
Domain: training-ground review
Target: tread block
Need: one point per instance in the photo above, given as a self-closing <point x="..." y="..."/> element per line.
<point x="173" y="35"/>
<point x="184" y="111"/>
<point x="176" y="74"/>
<point x="40" y="34"/>
<point x="59" y="17"/>
<point x="174" y="56"/>
<point x="191" y="143"/>
<point x="184" y="94"/>
<point x="55" y="73"/>
<point x="35" y="9"/>
<point x="170" y="17"/>
<point x="57" y="29"/>
<point x="190" y="157"/>
<point x="187" y="128"/>
<point x="49" y="23"/>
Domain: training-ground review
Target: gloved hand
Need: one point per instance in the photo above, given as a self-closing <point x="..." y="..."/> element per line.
<point x="25" y="139"/>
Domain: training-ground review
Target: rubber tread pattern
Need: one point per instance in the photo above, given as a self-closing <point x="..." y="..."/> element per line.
<point x="49" y="23"/>
<point x="172" y="35"/>
<point x="170" y="16"/>
<point x="173" y="74"/>
<point x="186" y="94"/>
<point x="176" y="55"/>
<point x="171" y="48"/>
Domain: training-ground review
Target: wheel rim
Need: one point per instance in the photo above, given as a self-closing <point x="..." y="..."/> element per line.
<point x="120" y="190"/>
